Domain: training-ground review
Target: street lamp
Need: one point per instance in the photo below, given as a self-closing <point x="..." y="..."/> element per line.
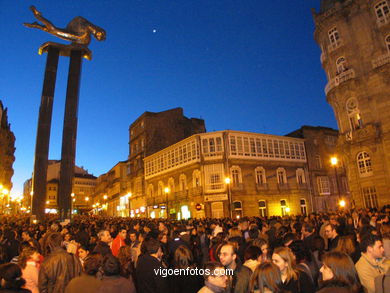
<point x="227" y="181"/>
<point x="167" y="190"/>
<point x="342" y="203"/>
<point x="334" y="162"/>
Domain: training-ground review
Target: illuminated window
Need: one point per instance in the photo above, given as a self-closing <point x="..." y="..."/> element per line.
<point x="263" y="208"/>
<point x="283" y="207"/>
<point x="353" y="112"/>
<point x="303" y="206"/>
<point x="364" y="164"/>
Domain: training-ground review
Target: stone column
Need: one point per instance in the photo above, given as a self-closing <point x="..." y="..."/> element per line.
<point x="68" y="152"/>
<point x="43" y="134"/>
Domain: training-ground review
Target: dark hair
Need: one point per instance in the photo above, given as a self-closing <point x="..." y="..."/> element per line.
<point x="151" y="246"/>
<point x="343" y="269"/>
<point x="253" y="233"/>
<point x="125" y="261"/>
<point x="111" y="265"/>
<point x="266" y="275"/>
<point x="368" y="240"/>
<point x="92" y="263"/>
<point x="252" y="252"/>
<point x="211" y="266"/>
<point x="289" y="237"/>
<point x="12" y="276"/>
<point x="23" y="245"/>
<point x="54" y="240"/>
<point x="308" y="227"/>
<point x="300" y="251"/>
<point x="25" y="255"/>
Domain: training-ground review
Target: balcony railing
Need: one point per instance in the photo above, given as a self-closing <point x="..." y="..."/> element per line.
<point x="381" y="60"/>
<point x="261" y="187"/>
<point x="283" y="186"/>
<point x="339" y="79"/>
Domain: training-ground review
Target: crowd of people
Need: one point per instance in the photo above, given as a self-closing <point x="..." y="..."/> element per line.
<point x="343" y="251"/>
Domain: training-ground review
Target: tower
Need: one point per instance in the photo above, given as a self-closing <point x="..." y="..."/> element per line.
<point x="354" y="36"/>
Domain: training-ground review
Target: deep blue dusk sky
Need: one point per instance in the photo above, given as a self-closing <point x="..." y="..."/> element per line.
<point x="249" y="65"/>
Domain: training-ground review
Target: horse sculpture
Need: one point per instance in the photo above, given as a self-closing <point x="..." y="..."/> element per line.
<point x="78" y="30"/>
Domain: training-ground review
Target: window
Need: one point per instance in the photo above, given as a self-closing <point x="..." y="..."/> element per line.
<point x="212" y="146"/>
<point x="160" y="190"/>
<point x="369" y="197"/>
<point x="364" y="164"/>
<point x="183" y="182"/>
<point x="353" y="112"/>
<point x="260" y="176"/>
<point x="283" y="207"/>
<point x="382" y="12"/>
<point x="323" y="185"/>
<point x="263" y="208"/>
<point x="341" y="65"/>
<point x="215" y="180"/>
<point x="236" y="175"/>
<point x="281" y="176"/>
<point x="387" y="40"/>
<point x="318" y="162"/>
<point x="196" y="179"/>
<point x="150" y="190"/>
<point x="171" y="184"/>
<point x="300" y="174"/>
<point x="344" y="184"/>
<point x="303" y="206"/>
<point x="334" y="38"/>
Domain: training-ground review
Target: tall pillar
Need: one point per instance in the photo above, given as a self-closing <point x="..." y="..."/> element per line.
<point x="43" y="134"/>
<point x="68" y="151"/>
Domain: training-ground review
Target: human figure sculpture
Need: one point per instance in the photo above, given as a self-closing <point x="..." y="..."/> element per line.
<point x="78" y="30"/>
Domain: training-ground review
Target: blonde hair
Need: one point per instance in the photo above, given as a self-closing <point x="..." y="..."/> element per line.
<point x="235" y="232"/>
<point x="286" y="254"/>
<point x="345" y="244"/>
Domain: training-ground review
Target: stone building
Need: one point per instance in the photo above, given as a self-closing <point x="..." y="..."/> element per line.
<point x="82" y="190"/>
<point x="354" y="37"/>
<point x="7" y="158"/>
<point x="150" y="133"/>
<point x="267" y="176"/>
<point x="329" y="183"/>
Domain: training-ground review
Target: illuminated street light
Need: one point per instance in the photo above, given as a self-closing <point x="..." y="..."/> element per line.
<point x="47" y="202"/>
<point x="129" y="194"/>
<point x="288" y="209"/>
<point x="167" y="190"/>
<point x="334" y="161"/>
<point x="72" y="194"/>
<point x="105" y="197"/>
<point x="227" y="180"/>
<point x="86" y="198"/>
<point x="342" y="203"/>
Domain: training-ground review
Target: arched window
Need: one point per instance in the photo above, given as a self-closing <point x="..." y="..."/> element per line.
<point x="382" y="12"/>
<point x="236" y="175"/>
<point x="353" y="113"/>
<point x="262" y="208"/>
<point x="196" y="179"/>
<point x="364" y="164"/>
<point x="171" y="185"/>
<point x="281" y="176"/>
<point x="160" y="189"/>
<point x="283" y="207"/>
<point x="237" y="209"/>
<point x="260" y="176"/>
<point x="303" y="206"/>
<point x="183" y="182"/>
<point x="300" y="173"/>
<point x="150" y="190"/>
<point x="387" y="40"/>
<point x="341" y="65"/>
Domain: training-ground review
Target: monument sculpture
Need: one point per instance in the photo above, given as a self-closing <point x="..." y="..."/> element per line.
<point x="78" y="32"/>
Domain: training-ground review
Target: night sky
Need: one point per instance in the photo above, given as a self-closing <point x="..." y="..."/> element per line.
<point x="241" y="65"/>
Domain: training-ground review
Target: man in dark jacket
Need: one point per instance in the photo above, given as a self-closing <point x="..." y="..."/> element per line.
<point x="58" y="268"/>
<point x="102" y="246"/>
<point x="150" y="275"/>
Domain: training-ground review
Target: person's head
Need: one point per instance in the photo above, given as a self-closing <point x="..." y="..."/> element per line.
<point x="11" y="276"/>
<point x="133" y="236"/>
<point x="104" y="236"/>
<point x="122" y="233"/>
<point x="266" y="276"/>
<point x="217" y="276"/>
<point x="183" y="257"/>
<point x="92" y="263"/>
<point x="82" y="252"/>
<point x="307" y="229"/>
<point x="153" y="247"/>
<point x="243" y="224"/>
<point x="161" y="226"/>
<point x="346" y="245"/>
<point x="330" y="231"/>
<point x="288" y="239"/>
<point x="125" y="254"/>
<point x="253" y="233"/>
<point x="385" y="231"/>
<point x="54" y="240"/>
<point x="339" y="267"/>
<point x="372" y="245"/>
<point x="163" y="238"/>
<point x="26" y="235"/>
<point x="228" y="254"/>
<point x="67" y="237"/>
<point x="300" y="252"/>
<point x="284" y="260"/>
<point x="262" y="244"/>
<point x="252" y="252"/>
<point x="28" y="254"/>
<point x="235" y="232"/>
<point x="111" y="265"/>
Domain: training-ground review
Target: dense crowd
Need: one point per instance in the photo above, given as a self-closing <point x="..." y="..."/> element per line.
<point x="344" y="251"/>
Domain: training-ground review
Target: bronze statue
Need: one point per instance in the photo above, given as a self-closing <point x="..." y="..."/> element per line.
<point x="78" y="31"/>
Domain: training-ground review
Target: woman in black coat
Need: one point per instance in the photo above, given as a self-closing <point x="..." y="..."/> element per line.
<point x="11" y="279"/>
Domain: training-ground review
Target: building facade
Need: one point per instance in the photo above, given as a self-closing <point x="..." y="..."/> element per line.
<point x="328" y="183"/>
<point x="354" y="37"/>
<point x="227" y="173"/>
<point x="82" y="190"/>
<point x="7" y="158"/>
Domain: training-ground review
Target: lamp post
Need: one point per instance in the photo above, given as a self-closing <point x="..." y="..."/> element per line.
<point x="167" y="190"/>
<point x="334" y="162"/>
<point x="227" y="181"/>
